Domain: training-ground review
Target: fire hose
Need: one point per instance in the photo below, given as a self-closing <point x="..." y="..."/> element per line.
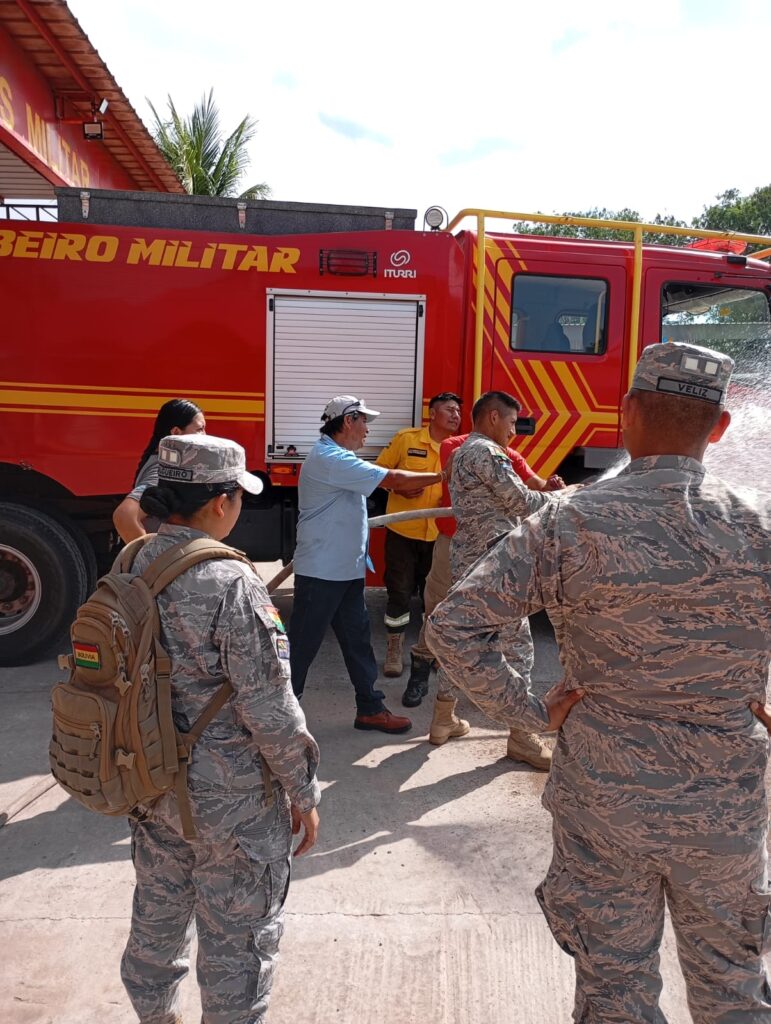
<point x="374" y="522"/>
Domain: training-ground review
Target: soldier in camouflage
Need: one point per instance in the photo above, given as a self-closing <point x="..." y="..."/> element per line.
<point x="231" y="880"/>
<point x="658" y="584"/>
<point x="488" y="499"/>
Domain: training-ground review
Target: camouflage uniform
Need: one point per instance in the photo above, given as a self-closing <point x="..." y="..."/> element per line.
<point x="488" y="499"/>
<point x="658" y="584"/>
<point x="218" y="623"/>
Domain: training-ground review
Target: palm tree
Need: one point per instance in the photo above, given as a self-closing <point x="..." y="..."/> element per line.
<point x="193" y="146"/>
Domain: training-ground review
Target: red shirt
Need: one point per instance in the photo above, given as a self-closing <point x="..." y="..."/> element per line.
<point x="521" y="468"/>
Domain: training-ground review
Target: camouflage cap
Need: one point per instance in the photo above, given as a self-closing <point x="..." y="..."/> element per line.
<point x="679" y="368"/>
<point x="203" y="459"/>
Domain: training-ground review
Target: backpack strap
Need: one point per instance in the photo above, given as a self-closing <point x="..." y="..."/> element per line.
<point x="186" y="741"/>
<point x="181" y="557"/>
<point x="162" y="571"/>
<point x="125" y="557"/>
<point x="157" y="576"/>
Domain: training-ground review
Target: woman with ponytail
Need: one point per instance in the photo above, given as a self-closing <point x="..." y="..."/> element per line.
<point x="177" y="416"/>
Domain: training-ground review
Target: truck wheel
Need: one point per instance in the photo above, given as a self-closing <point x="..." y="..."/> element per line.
<point x="43" y="580"/>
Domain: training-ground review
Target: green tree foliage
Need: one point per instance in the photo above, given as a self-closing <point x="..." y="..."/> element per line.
<point x="731" y="212"/>
<point x="750" y="214"/>
<point x="206" y="164"/>
<point x="577" y="231"/>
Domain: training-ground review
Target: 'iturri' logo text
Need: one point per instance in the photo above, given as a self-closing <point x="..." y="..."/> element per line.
<point x="398" y="268"/>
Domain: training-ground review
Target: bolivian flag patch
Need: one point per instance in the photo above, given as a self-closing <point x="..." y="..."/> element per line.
<point x="87" y="655"/>
<point x="282" y="648"/>
<point x="274" y="616"/>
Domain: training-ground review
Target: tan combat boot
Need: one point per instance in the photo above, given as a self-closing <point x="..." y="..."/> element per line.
<point x="445" y="724"/>
<point x="394" y="664"/>
<point x="530" y="748"/>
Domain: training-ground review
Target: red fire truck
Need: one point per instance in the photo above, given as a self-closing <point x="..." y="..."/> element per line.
<point x="110" y="311"/>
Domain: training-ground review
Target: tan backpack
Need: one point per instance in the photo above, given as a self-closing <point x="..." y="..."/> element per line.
<point x="114" y="744"/>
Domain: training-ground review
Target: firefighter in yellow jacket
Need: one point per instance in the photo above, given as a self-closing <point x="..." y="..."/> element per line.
<point x="409" y="545"/>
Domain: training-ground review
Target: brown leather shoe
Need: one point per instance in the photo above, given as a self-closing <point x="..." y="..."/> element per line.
<point x="383" y="721"/>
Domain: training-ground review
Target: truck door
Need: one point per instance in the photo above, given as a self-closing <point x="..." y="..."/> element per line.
<point x="558" y="343"/>
<point x="322" y="344"/>
<point x="723" y="311"/>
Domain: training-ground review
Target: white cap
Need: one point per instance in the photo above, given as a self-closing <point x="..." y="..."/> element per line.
<point x="344" y="405"/>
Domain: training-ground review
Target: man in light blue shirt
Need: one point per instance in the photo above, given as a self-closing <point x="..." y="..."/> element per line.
<point x="330" y="559"/>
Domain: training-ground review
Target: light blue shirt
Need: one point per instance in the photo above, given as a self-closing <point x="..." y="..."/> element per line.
<point x="332" y="528"/>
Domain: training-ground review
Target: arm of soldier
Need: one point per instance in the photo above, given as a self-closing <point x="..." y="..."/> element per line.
<point x="255" y="657"/>
<point x="763" y="712"/>
<point x="467" y="631"/>
<point x="497" y="472"/>
<point x="538" y="483"/>
<point x="531" y="479"/>
<point x="309" y="822"/>
<point x="128" y="519"/>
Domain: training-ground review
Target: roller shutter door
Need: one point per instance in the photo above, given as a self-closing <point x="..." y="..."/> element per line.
<point x="326" y="345"/>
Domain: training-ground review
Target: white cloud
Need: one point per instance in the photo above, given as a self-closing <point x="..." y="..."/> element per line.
<point x="507" y="105"/>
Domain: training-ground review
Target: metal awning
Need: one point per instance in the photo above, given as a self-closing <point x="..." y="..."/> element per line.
<point x="17" y="178"/>
<point x="49" y="34"/>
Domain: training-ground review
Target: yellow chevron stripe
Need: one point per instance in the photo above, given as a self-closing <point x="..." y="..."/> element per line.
<point x="503" y="308"/>
<point x="599" y="429"/>
<point x="526" y="371"/>
<point x="597" y="405"/>
<point x="553" y="458"/>
<point x="507" y="249"/>
<point x="535" y="447"/>
<point x="539" y="370"/>
<point x="68" y="400"/>
<point x="490" y="291"/>
<point x="568" y="381"/>
<point x="524" y="444"/>
<point x="546" y="440"/>
<point x="522" y="263"/>
<point x="573" y="438"/>
<point x="562" y="417"/>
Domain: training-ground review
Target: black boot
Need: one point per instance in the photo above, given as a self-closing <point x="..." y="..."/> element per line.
<point x="417" y="684"/>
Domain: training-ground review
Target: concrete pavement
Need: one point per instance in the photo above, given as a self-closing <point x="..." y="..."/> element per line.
<point x="416" y="905"/>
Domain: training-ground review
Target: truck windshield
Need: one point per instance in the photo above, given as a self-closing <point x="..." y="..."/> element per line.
<point x="731" y="320"/>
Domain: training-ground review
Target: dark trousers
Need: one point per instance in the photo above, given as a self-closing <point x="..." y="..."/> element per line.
<point x="339" y="603"/>
<point x="407" y="563"/>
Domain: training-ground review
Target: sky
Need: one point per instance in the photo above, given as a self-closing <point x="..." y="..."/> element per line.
<point x="522" y="105"/>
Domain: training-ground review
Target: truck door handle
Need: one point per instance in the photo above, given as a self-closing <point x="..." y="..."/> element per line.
<point x="525" y="425"/>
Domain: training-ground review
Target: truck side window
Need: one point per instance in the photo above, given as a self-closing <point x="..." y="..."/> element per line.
<point x="558" y="314"/>
<point x="735" y="321"/>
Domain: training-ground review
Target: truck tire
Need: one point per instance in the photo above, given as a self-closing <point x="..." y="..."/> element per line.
<point x="43" y="580"/>
<point x="85" y="547"/>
